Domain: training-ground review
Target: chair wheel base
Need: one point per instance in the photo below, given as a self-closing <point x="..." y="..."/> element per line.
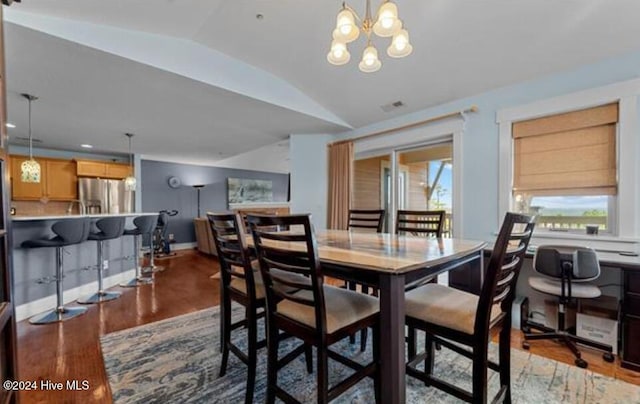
<point x="99" y="297"/>
<point x="526" y="345"/>
<point x="57" y="315"/>
<point x="581" y="363"/>
<point x="608" y="357"/>
<point x="135" y="282"/>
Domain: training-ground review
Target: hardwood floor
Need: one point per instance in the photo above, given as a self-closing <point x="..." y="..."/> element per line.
<point x="71" y="350"/>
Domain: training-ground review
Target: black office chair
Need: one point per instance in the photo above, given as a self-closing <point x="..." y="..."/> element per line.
<point x="566" y="270"/>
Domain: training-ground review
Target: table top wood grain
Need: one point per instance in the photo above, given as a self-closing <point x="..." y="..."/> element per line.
<point x="383" y="252"/>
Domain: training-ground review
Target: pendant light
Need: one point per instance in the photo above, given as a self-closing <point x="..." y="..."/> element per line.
<point x="30" y="169"/>
<point x="130" y="181"/>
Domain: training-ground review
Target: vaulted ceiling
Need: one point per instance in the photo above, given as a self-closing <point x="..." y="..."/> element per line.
<point x="204" y="80"/>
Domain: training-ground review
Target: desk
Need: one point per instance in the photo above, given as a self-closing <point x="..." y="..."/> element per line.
<point x="388" y="262"/>
<point x="630" y="316"/>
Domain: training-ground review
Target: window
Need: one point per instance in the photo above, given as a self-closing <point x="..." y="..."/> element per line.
<point x="565" y="169"/>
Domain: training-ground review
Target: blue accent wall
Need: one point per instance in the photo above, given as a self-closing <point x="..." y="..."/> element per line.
<point x="157" y="195"/>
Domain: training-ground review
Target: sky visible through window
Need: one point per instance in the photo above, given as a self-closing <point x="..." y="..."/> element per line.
<point x="441" y="198"/>
<point x="571" y="205"/>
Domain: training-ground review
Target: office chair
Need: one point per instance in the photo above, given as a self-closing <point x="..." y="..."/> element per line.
<point x="566" y="270"/>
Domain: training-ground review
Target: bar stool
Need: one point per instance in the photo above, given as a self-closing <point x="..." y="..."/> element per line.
<point x="110" y="228"/>
<point x="163" y="218"/>
<point x="68" y="232"/>
<point x="144" y="225"/>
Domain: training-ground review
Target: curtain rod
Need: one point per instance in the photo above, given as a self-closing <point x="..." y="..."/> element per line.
<point x="473" y="108"/>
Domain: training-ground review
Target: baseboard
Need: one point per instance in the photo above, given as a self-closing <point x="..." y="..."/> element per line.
<point x="184" y="246"/>
<point x="47" y="303"/>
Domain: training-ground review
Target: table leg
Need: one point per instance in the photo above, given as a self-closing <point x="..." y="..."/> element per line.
<point x="392" y="355"/>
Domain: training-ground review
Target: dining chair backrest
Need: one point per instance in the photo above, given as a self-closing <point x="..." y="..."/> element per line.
<point x="233" y="254"/>
<point x="506" y="260"/>
<point x="366" y="219"/>
<point x="286" y="253"/>
<point x="421" y="222"/>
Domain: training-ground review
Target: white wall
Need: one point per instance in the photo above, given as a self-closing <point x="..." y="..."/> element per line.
<point x="480" y="151"/>
<point x="308" y="162"/>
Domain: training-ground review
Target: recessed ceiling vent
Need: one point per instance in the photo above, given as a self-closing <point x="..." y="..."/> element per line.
<point x="393" y="106"/>
<point x="26" y="139"/>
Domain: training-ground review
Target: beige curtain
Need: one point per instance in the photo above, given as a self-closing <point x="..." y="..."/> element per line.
<point x="340" y="185"/>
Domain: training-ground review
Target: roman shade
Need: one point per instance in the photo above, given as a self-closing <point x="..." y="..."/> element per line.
<point x="567" y="154"/>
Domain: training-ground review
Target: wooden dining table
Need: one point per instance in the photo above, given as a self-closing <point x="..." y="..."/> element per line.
<point x="389" y="262"/>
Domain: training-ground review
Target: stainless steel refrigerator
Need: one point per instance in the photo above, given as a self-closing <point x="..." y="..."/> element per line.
<point x="105" y="196"/>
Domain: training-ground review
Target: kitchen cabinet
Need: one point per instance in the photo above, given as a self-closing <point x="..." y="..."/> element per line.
<point x="118" y="171"/>
<point x="61" y="180"/>
<point x="58" y="180"/>
<point x="102" y="169"/>
<point x="91" y="168"/>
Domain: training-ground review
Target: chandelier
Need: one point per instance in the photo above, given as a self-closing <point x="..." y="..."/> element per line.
<point x="386" y="24"/>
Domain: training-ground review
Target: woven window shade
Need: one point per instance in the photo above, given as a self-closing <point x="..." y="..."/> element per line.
<point x="567" y="154"/>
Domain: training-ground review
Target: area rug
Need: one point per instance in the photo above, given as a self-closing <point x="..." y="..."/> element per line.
<point x="177" y="361"/>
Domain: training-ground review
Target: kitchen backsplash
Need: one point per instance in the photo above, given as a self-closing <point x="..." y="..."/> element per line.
<point x="37" y="208"/>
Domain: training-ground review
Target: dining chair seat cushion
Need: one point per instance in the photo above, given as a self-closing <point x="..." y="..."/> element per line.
<point x="240" y="285"/>
<point x="343" y="308"/>
<point x="445" y="306"/>
<point x="554" y="287"/>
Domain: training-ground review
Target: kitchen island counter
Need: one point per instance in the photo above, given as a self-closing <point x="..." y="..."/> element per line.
<point x="34" y="268"/>
<point x="61" y="217"/>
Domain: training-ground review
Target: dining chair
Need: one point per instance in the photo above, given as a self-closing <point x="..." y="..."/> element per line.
<point x="420" y="222"/>
<point x="453" y="318"/>
<point x="241" y="283"/>
<point x="318" y="314"/>
<point x="364" y="220"/>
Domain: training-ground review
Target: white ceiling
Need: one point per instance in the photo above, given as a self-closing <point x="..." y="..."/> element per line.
<point x="461" y="48"/>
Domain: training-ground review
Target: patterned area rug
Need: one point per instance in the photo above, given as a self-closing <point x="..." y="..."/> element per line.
<point x="177" y="360"/>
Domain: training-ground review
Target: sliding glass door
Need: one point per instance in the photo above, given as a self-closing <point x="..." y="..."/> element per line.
<point x="417" y="178"/>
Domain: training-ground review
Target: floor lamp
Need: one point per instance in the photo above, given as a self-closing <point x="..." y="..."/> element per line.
<point x="198" y="188"/>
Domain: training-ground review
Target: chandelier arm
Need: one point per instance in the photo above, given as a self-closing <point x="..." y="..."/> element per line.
<point x="354" y="12"/>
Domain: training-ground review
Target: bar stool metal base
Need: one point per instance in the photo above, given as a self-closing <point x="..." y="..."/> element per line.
<point x="99" y="297"/>
<point x="152" y="269"/>
<point x="59" y="314"/>
<point x="135" y="282"/>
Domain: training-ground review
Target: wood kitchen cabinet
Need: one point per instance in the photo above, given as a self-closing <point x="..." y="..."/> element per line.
<point x="61" y="180"/>
<point x="91" y="168"/>
<point x="118" y="171"/>
<point x="102" y="169"/>
<point x="58" y="180"/>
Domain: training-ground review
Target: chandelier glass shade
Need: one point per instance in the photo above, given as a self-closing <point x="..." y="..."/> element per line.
<point x="386" y="24"/>
<point x="30" y="169"/>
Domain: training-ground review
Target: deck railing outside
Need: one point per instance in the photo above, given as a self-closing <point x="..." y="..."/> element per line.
<point x="570" y="222"/>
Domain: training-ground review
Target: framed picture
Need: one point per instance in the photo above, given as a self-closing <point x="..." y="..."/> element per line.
<point x="241" y="190"/>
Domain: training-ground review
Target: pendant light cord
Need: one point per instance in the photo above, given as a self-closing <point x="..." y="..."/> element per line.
<point x="30" y="136"/>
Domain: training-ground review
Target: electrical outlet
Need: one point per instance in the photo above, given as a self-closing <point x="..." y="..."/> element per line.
<point x="170" y="236"/>
<point x="105" y="264"/>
